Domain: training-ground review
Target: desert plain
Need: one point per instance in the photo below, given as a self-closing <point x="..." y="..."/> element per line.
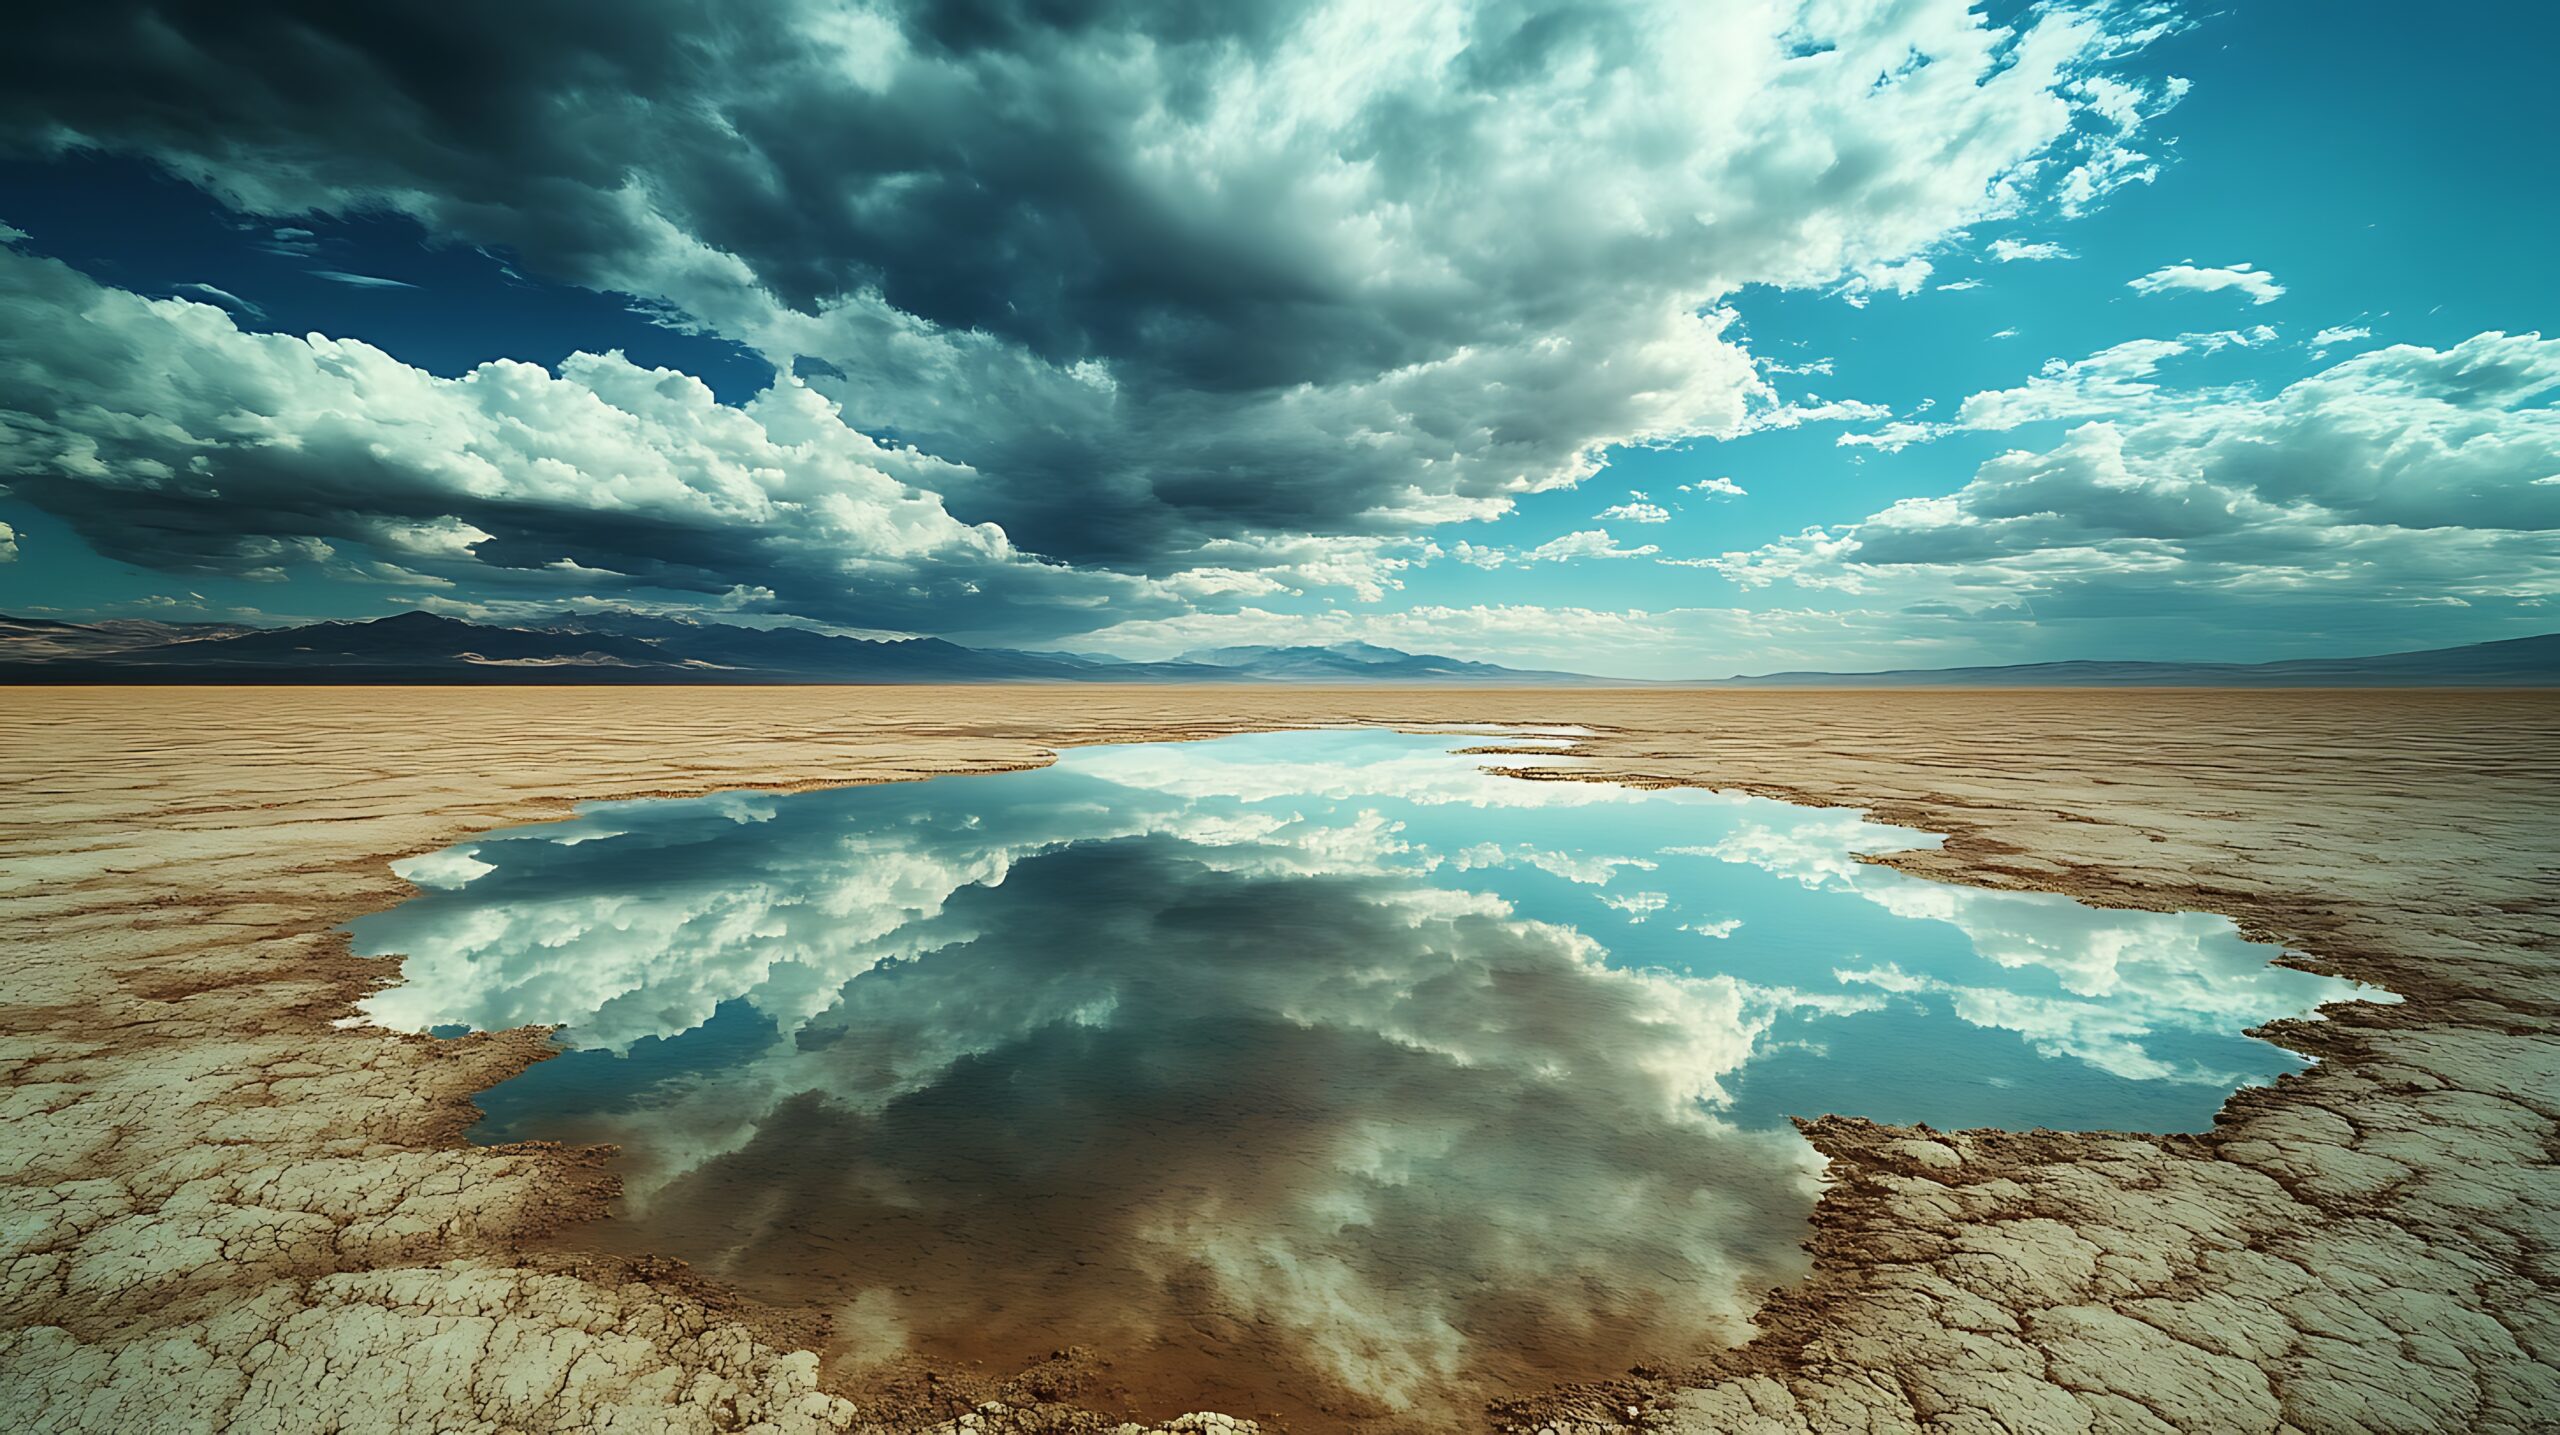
<point x="227" y="1204"/>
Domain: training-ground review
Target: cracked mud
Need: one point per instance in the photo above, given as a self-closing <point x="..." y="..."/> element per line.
<point x="224" y="1206"/>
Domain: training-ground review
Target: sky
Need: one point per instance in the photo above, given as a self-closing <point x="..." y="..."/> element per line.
<point x="1658" y="340"/>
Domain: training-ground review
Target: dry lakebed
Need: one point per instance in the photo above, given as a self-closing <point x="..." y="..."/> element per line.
<point x="236" y="1194"/>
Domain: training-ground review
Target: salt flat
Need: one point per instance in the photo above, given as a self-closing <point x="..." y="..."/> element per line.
<point x="230" y="1207"/>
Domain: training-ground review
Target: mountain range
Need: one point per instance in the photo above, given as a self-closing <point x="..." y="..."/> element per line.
<point x="623" y="647"/>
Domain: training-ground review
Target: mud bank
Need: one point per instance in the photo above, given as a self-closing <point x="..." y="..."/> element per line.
<point x="224" y="1208"/>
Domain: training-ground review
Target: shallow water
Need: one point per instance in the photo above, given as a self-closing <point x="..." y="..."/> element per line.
<point x="1321" y="1074"/>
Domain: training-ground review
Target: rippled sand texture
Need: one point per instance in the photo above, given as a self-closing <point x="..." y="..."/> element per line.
<point x="224" y="1211"/>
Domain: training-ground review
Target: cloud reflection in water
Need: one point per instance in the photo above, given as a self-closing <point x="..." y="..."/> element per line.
<point x="1320" y="1072"/>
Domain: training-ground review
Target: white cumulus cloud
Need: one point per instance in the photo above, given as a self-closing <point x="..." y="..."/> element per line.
<point x="2402" y="476"/>
<point x="1633" y="512"/>
<point x="2013" y="251"/>
<point x="171" y="438"/>
<point x="2253" y="283"/>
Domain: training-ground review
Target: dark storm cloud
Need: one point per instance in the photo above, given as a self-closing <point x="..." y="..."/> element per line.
<point x="1161" y="276"/>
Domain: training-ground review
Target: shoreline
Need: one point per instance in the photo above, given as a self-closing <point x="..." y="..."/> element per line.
<point x="198" y="1137"/>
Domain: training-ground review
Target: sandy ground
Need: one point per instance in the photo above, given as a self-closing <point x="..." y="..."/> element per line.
<point x="221" y="1210"/>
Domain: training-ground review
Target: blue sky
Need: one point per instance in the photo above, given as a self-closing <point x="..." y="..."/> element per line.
<point x="2177" y="350"/>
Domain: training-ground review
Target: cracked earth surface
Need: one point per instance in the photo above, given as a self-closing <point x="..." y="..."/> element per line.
<point x="222" y="1208"/>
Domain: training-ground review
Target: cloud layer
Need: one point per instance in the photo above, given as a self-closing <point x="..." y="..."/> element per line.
<point x="1166" y="286"/>
<point x="172" y="439"/>
<point x="2403" y="476"/>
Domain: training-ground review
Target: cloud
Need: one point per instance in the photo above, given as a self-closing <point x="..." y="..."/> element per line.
<point x="2012" y="251"/>
<point x="1635" y="906"/>
<point x="225" y="298"/>
<point x="1572" y="867"/>
<point x="1588" y="543"/>
<point x="1897" y="436"/>
<point x="2119" y="981"/>
<point x="2118" y="112"/>
<point x="2256" y="284"/>
<point x="290" y="241"/>
<point x="2108" y="381"/>
<point x="1634" y="513"/>
<point x="359" y="281"/>
<point x="2330" y="338"/>
<point x="1715" y="488"/>
<point x="1571" y="547"/>
<point x="170" y="438"/>
<point x="1155" y="277"/>
<point x="2117" y="380"/>
<point x="2402" y="476"/>
<point x="1814" y="410"/>
<point x="447" y="870"/>
<point x="1902" y="280"/>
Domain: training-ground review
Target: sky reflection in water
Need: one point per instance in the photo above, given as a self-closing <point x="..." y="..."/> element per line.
<point x="1316" y="1073"/>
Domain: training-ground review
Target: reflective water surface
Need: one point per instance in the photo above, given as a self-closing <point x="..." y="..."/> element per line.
<point x="1330" y="1075"/>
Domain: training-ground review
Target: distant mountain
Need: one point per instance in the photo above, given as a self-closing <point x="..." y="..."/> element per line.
<point x="618" y="647"/>
<point x="46" y="638"/>
<point x="2511" y="662"/>
<point x="799" y="655"/>
<point x="1368" y="663"/>
<point x="574" y="648"/>
<point x="409" y="640"/>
